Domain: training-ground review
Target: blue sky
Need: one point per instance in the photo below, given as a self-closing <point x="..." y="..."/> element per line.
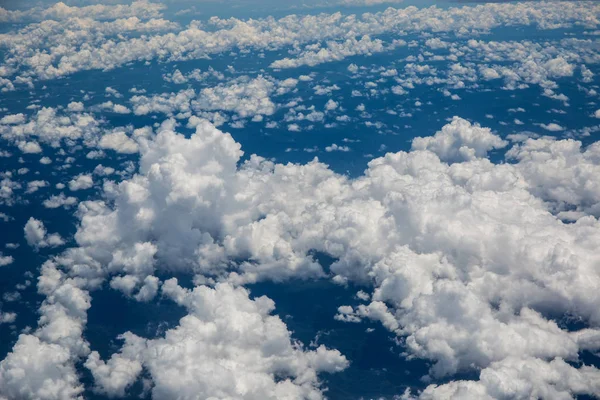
<point x="264" y="200"/>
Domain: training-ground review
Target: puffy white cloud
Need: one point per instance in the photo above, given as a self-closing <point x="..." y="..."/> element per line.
<point x="336" y="52"/>
<point x="114" y="376"/>
<point x="562" y="173"/>
<point x="335" y="147"/>
<point x="460" y="141"/>
<point x="168" y="104"/>
<point x="7" y="317"/>
<point x="38" y="370"/>
<point x="5" y="260"/>
<point x="119" y="142"/>
<point x="467" y="259"/>
<point x="29" y="147"/>
<point x="49" y="126"/>
<point x="552" y="127"/>
<point x="436" y="43"/>
<point x="229" y="346"/>
<point x="75" y="106"/>
<point x="81" y="182"/>
<point x="37" y="236"/>
<point x="61" y="11"/>
<point x="246" y="97"/>
<point x="59" y="200"/>
<point x="529" y="378"/>
<point x="34" y="186"/>
<point x="66" y="55"/>
<point x="331" y="105"/>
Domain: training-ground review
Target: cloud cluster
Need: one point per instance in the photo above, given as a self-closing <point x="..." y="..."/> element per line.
<point x="469" y="262"/>
<point x="229" y="346"/>
<point x="67" y="54"/>
<point x="61" y="11"/>
<point x="37" y="236"/>
<point x="336" y="52"/>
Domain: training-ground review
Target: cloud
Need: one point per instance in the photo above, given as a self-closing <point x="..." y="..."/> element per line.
<point x="552" y="127"/>
<point x="460" y="141"/>
<point x="335" y="147"/>
<point x="38" y="237"/>
<point x="119" y="142"/>
<point x="466" y="258"/>
<point x="81" y="182"/>
<point x="59" y="200"/>
<point x="228" y="346"/>
<point x="5" y="260"/>
<point x="38" y="370"/>
<point x="61" y="11"/>
<point x="246" y="97"/>
<point x="337" y="52"/>
<point x="66" y="57"/>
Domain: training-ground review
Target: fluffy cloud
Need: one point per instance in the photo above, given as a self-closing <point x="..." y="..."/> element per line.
<point x="5" y="260"/>
<point x="336" y="52"/>
<point x="37" y="236"/>
<point x="229" y="346"/>
<point x="51" y="127"/>
<point x="66" y="57"/>
<point x="460" y="141"/>
<point x="59" y="200"/>
<point x="38" y="370"/>
<point x="466" y="261"/>
<point x="81" y="182"/>
<point x="465" y="257"/>
<point x="61" y="11"/>
<point x="119" y="142"/>
<point x="562" y="173"/>
<point x="245" y="97"/>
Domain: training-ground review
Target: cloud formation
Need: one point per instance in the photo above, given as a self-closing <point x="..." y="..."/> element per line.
<point x="468" y="260"/>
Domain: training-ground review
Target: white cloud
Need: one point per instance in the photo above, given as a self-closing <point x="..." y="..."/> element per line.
<point x="66" y="57"/>
<point x="119" y="142"/>
<point x="335" y="147"/>
<point x="336" y="52"/>
<point x="34" y="186"/>
<point x="246" y="97"/>
<point x="38" y="370"/>
<point x="228" y="346"/>
<point x="460" y="141"/>
<point x="29" y="147"/>
<point x="7" y="317"/>
<point x="61" y="11"/>
<point x="59" y="200"/>
<point x="37" y="236"/>
<point x="81" y="182"/>
<point x="465" y="259"/>
<point x="5" y="260"/>
<point x="552" y="127"/>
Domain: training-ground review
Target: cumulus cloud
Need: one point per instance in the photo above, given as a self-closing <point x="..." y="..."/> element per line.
<point x="59" y="200"/>
<point x="81" y="182"/>
<point x="119" y="142"/>
<point x="460" y="141"/>
<point x="38" y="370"/>
<point x="336" y="52"/>
<point x="66" y="57"/>
<point x="228" y="346"/>
<point x="246" y="97"/>
<point x="37" y="236"/>
<point x="552" y="127"/>
<point x="467" y="259"/>
<point x="5" y="260"/>
<point x="61" y="11"/>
